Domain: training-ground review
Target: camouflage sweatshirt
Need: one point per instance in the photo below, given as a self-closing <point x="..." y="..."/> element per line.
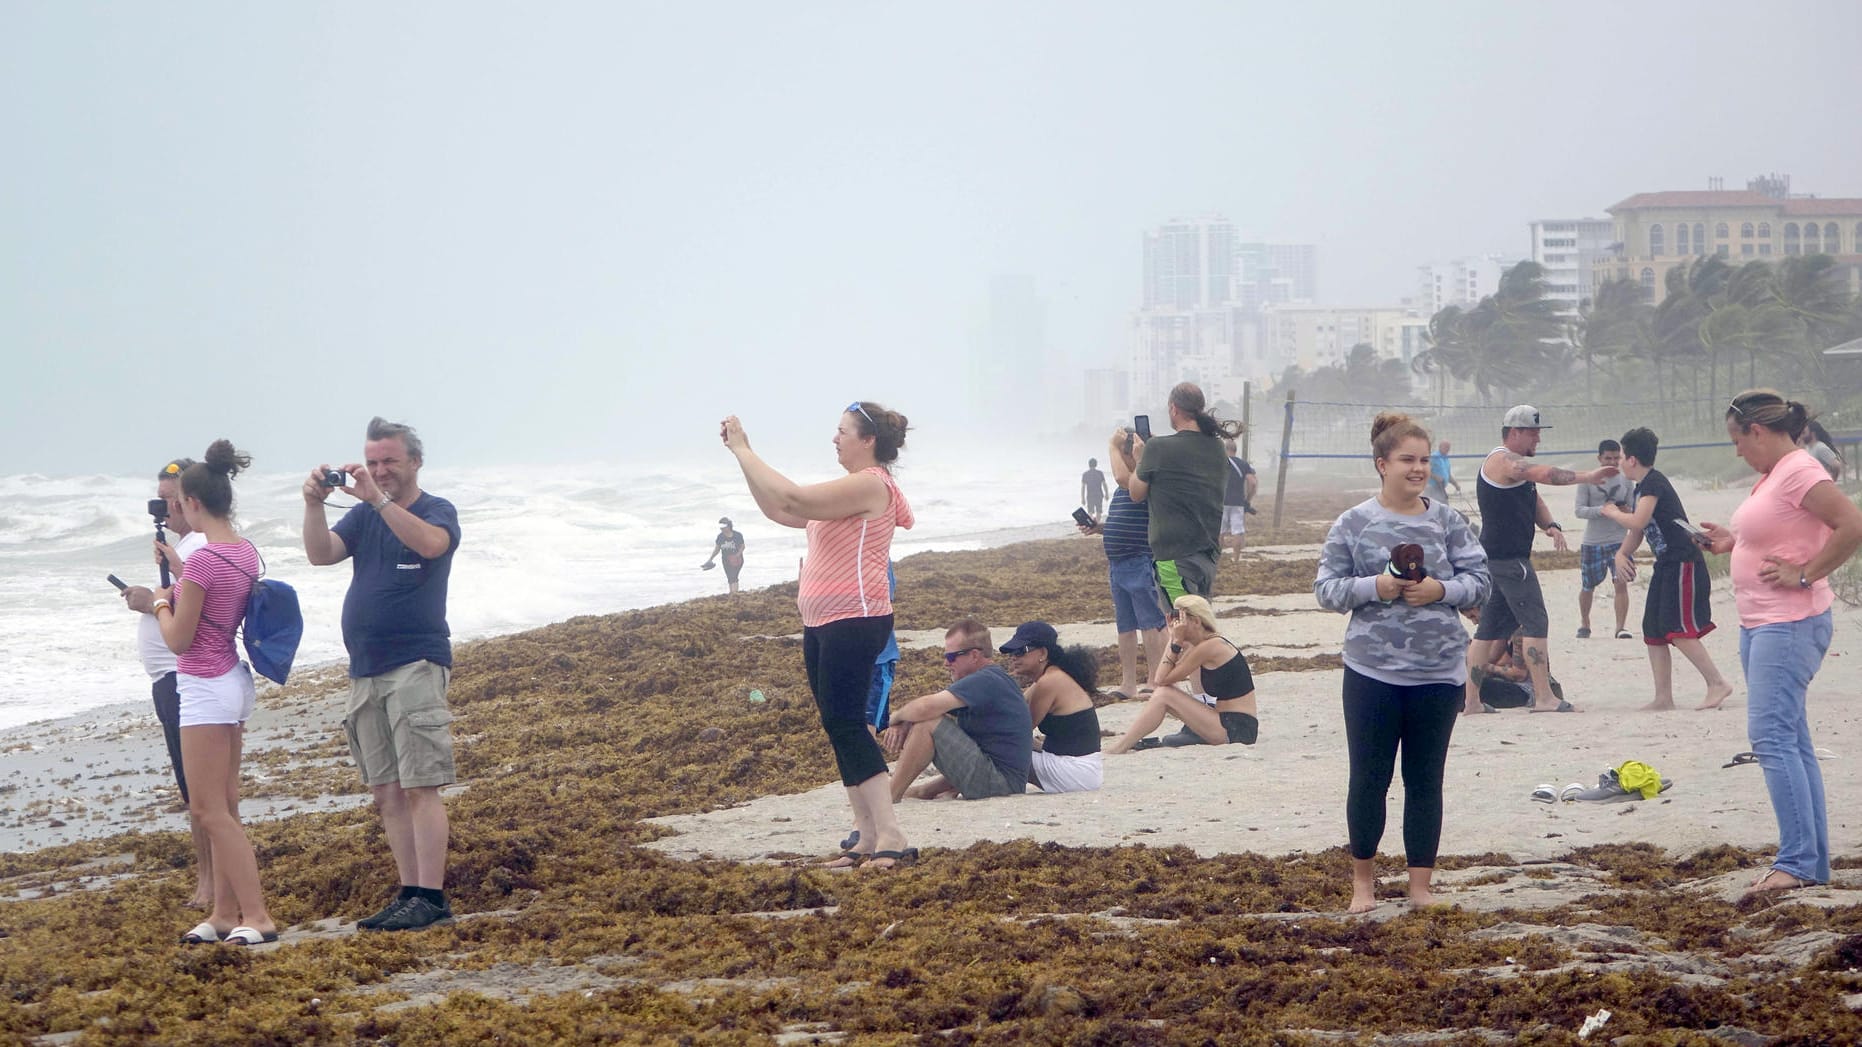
<point x="1394" y="642"/>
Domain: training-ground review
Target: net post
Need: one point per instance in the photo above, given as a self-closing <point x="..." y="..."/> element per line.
<point x="1247" y="415"/>
<point x="1286" y="448"/>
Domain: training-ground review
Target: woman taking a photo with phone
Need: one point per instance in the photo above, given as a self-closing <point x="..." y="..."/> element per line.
<point x="199" y="616"/>
<point x="1402" y="566"/>
<point x="1787" y="537"/>
<point x="844" y="600"/>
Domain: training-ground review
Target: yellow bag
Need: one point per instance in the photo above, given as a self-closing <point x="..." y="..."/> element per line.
<point x="1635" y="776"/>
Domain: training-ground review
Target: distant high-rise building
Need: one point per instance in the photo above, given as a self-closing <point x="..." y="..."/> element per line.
<point x="1461" y="281"/>
<point x="1203" y="296"/>
<point x="1315" y="336"/>
<point x="1568" y="249"/>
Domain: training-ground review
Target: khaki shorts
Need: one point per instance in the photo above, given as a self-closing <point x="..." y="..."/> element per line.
<point x="399" y="727"/>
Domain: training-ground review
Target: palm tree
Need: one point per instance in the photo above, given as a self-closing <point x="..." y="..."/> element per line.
<point x="1813" y="289"/>
<point x="1613" y="324"/>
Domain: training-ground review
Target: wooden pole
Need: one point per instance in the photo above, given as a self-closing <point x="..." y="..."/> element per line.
<point x="1286" y="446"/>
<point x="1247" y="416"/>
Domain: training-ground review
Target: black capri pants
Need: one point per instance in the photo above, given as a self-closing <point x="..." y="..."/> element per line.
<point x="839" y="657"/>
<point x="1380" y="718"/>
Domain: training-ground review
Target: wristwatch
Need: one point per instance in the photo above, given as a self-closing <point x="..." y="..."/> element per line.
<point x="1803" y="580"/>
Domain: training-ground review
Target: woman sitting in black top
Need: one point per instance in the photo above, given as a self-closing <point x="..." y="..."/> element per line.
<point x="1196" y="643"/>
<point x="1060" y="686"/>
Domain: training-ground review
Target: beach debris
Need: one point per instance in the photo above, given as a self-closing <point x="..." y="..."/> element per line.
<point x="1593" y="1023"/>
<point x="756" y="696"/>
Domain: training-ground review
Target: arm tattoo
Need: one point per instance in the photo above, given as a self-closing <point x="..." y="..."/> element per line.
<point x="1561" y="477"/>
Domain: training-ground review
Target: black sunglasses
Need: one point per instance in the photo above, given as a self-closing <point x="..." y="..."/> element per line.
<point x="950" y="657"/>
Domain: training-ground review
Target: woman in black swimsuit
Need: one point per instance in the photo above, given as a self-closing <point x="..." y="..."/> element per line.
<point x="1196" y="643"/>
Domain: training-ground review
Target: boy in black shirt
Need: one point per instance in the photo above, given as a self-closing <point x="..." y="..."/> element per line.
<point x="1678" y="612"/>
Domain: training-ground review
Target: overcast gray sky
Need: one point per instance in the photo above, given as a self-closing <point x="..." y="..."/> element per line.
<point x="579" y="231"/>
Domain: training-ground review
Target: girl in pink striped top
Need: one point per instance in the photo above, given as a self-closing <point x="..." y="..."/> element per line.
<point x="198" y="617"/>
<point x="844" y="601"/>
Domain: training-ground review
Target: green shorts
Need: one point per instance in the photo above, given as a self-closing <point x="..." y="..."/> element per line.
<point x="399" y="727"/>
<point x="1192" y="575"/>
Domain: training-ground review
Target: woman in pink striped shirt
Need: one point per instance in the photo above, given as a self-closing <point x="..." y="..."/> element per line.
<point x="844" y="599"/>
<point x="199" y="616"/>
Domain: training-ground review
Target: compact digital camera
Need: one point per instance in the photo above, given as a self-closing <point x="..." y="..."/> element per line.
<point x="335" y="478"/>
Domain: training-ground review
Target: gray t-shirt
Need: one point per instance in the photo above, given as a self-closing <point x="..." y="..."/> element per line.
<point x="1394" y="642"/>
<point x="1599" y="529"/>
<point x="995" y="716"/>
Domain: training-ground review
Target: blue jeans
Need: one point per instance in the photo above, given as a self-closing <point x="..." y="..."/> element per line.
<point x="1779" y="660"/>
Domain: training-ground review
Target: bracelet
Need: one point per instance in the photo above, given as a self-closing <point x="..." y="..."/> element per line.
<point x="383" y="504"/>
<point x="159" y="604"/>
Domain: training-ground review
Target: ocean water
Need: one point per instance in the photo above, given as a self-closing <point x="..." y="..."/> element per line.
<point x="540" y="544"/>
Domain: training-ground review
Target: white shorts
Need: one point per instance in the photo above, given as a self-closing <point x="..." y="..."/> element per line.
<point x="1234" y="520"/>
<point x="227" y="698"/>
<point x="1068" y="774"/>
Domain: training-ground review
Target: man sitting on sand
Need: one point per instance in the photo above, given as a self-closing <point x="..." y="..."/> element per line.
<point x="977" y="733"/>
<point x="1506" y="684"/>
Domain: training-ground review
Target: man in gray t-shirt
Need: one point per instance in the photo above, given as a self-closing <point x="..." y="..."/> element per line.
<point x="977" y="732"/>
<point x="1602" y="538"/>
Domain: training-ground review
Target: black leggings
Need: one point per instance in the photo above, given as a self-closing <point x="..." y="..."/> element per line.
<point x="1378" y="716"/>
<point x="839" y="657"/>
<point x="167" y="694"/>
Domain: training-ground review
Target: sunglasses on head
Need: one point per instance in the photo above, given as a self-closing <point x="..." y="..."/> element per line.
<point x="950" y="657"/>
<point x="855" y="406"/>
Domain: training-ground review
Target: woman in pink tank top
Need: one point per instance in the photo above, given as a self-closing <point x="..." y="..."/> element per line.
<point x="198" y="616"/>
<point x="1789" y="535"/>
<point x="844" y="600"/>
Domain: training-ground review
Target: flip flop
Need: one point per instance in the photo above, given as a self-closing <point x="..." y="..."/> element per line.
<point x="1562" y="707"/>
<point x="851" y="860"/>
<point x="1546" y="793"/>
<point x="204" y="934"/>
<point x="249" y="936"/>
<point x="1118" y="696"/>
<point x="1625" y="634"/>
<point x="1583" y="634"/>
<point x="1760" y="886"/>
<point x="1571" y="792"/>
<point x="1741" y="758"/>
<point x="899" y="859"/>
<point x="846" y="845"/>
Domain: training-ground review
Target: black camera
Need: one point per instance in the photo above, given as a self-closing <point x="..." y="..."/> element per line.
<point x="158" y="508"/>
<point x="335" y="478"/>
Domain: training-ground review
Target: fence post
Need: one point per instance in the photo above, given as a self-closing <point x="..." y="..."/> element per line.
<point x="1247" y="415"/>
<point x="1286" y="446"/>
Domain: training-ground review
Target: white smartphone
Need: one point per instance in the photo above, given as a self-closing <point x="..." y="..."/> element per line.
<point x="1701" y="538"/>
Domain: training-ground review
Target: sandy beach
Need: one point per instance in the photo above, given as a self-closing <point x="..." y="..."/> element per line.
<point x="593" y="796"/>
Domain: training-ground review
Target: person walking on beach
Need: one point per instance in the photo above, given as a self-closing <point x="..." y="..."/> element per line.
<point x="730" y="546"/>
<point x="844" y="602"/>
<point x="1237" y="499"/>
<point x="1786" y="538"/>
<point x="1602" y="538"/>
<point x="1060" y="683"/>
<point x="159" y="662"/>
<point x="1226" y="715"/>
<point x="977" y="733"/>
<point x="1678" y="611"/>
<point x="1510" y="510"/>
<point x="1402" y="567"/>
<point x="1092" y="488"/>
<point x="198" y="617"/>
<point x="1136" y="608"/>
<point x="1182" y="477"/>
<point x="1441" y="475"/>
<point x="400" y="541"/>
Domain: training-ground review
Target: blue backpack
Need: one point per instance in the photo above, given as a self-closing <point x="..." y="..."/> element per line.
<point x="273" y="624"/>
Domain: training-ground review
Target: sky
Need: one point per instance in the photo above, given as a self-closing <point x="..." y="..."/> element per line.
<point x="571" y="232"/>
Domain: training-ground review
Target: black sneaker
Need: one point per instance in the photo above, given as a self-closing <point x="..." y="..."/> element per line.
<point x="369" y="923"/>
<point x="414" y="914"/>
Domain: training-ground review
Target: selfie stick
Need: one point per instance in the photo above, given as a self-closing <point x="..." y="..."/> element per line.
<point x="163" y="538"/>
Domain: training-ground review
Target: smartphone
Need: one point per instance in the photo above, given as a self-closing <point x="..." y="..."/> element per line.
<point x="118" y="582"/>
<point x="1082" y="517"/>
<point x="1142" y="423"/>
<point x="1700" y="537"/>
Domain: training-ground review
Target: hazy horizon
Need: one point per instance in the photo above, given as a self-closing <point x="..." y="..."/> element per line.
<point x="586" y="232"/>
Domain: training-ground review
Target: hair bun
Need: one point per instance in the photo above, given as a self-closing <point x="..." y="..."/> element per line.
<point x="1385" y="420"/>
<point x="223" y="458"/>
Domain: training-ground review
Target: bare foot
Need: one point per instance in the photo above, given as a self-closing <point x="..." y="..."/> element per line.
<point x="1422" y="898"/>
<point x="1475" y="708"/>
<point x="1659" y="706"/>
<point x="1363" y="900"/>
<point x="200" y="901"/>
<point x="1716" y="695"/>
<point x="1774" y="881"/>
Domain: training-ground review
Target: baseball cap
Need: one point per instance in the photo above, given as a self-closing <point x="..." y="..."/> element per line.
<point x="1524" y="416"/>
<point x="1031" y="634"/>
<point x="725" y="520"/>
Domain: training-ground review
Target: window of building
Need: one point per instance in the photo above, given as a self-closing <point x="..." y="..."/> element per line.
<point x="1765" y="248"/>
<point x="1719" y="231"/>
<point x="1657" y="247"/>
<point x="1832" y="240"/>
<point x="1813" y="242"/>
<point x="1681" y="240"/>
<point x="1765" y="230"/>
<point x="1700" y="238"/>
<point x="1648" y="283"/>
<point x="1856" y="244"/>
<point x="1745" y="230"/>
<point x="1745" y="249"/>
<point x="1723" y="250"/>
<point x="1791" y="245"/>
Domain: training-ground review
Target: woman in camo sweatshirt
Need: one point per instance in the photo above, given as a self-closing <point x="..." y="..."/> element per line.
<point x="1405" y="649"/>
